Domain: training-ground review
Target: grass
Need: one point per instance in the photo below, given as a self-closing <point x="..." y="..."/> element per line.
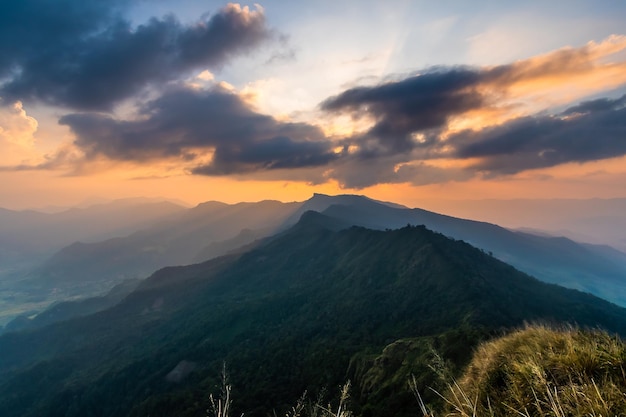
<point x="538" y="371"/>
<point x="319" y="408"/>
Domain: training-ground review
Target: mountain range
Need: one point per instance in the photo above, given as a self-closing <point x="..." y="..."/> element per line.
<point x="317" y="303"/>
<point x="179" y="236"/>
<point x="29" y="238"/>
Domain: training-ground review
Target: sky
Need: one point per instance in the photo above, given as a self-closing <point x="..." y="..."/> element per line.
<point x="405" y="101"/>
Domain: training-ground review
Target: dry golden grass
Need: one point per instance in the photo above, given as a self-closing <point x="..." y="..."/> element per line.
<point x="542" y="372"/>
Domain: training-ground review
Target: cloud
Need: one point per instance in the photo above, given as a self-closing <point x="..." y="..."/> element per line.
<point x="85" y="55"/>
<point x="214" y="131"/>
<point x="17" y="131"/>
<point x="416" y="104"/>
<point x="205" y="75"/>
<point x="16" y="126"/>
<point x="432" y="98"/>
<point x="590" y="131"/>
<point x="466" y="112"/>
<point x="592" y="106"/>
<point x="355" y="174"/>
<point x="279" y="152"/>
<point x="442" y="124"/>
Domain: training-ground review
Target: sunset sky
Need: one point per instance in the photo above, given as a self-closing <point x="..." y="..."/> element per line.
<point x="399" y="100"/>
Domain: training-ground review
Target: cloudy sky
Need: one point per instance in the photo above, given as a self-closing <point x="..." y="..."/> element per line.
<point x="400" y="100"/>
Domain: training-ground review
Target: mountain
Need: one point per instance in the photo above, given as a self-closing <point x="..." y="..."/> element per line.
<point x="28" y="237"/>
<point x="208" y="230"/>
<point x="289" y="315"/>
<point x="214" y="229"/>
<point x="223" y="247"/>
<point x="176" y="241"/>
<point x="596" y="220"/>
<point x="598" y="269"/>
<point x="320" y="202"/>
<point x="35" y="232"/>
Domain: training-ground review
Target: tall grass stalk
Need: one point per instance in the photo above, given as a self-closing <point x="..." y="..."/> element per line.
<point x="220" y="406"/>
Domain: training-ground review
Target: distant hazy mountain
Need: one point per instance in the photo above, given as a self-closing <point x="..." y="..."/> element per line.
<point x="92" y="267"/>
<point x="596" y="220"/>
<point x="213" y="229"/>
<point x="28" y="238"/>
<point x="31" y="234"/>
<point x="295" y="313"/>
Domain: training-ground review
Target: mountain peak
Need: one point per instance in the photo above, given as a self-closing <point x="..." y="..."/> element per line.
<point x="349" y="199"/>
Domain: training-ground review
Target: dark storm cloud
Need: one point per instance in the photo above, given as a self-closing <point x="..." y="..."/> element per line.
<point x="278" y="152"/>
<point x="593" y="130"/>
<point x="84" y="55"/>
<point x="187" y="123"/>
<point x="416" y="104"/>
